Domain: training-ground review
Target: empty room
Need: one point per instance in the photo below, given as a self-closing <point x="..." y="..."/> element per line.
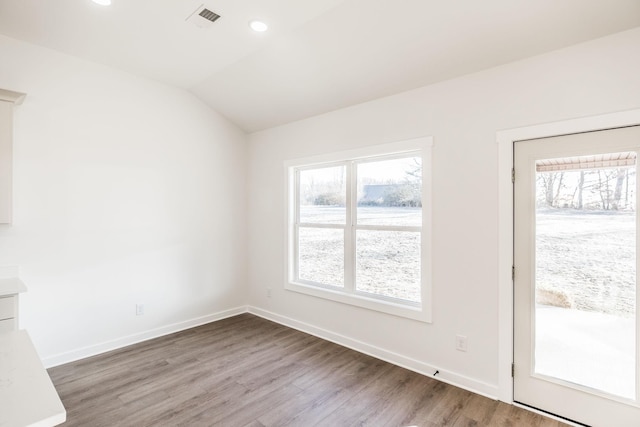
<point x="319" y="213"/>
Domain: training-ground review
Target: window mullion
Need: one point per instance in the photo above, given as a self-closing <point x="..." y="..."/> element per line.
<point x="296" y="252"/>
<point x="349" y="230"/>
<point x="296" y="225"/>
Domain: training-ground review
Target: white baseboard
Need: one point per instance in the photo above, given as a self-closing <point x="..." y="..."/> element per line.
<point x="470" y="384"/>
<point x="461" y="381"/>
<point x="93" y="350"/>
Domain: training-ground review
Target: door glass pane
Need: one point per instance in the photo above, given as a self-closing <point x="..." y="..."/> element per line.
<point x="390" y="192"/>
<point x="321" y="256"/>
<point x="388" y="263"/>
<point x="322" y="195"/>
<point x="585" y="275"/>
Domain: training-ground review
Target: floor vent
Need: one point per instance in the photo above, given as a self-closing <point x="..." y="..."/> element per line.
<point x="203" y="17"/>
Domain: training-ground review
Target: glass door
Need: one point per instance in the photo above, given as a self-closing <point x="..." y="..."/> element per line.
<point x="575" y="253"/>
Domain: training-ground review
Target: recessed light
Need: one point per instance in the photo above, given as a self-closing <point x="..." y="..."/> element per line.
<point x="102" y="2"/>
<point x="258" y="26"/>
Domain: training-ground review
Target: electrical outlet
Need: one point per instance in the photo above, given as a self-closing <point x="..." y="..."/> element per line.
<point x="268" y="292"/>
<point x="139" y="309"/>
<point x="461" y="343"/>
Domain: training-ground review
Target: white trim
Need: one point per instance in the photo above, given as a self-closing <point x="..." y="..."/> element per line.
<point x="11" y="96"/>
<point x="84" y="352"/>
<point x="417" y="311"/>
<point x="452" y="378"/>
<point x="505" y="140"/>
<point x="376" y="304"/>
<point x="361" y="153"/>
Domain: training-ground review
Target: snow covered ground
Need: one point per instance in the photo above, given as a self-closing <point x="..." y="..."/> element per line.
<point x="588" y="256"/>
<point x="592" y="349"/>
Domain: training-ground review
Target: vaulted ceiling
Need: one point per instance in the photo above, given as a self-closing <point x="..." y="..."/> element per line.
<point x="318" y="55"/>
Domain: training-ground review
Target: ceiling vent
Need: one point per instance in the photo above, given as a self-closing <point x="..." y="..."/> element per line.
<point x="203" y="17"/>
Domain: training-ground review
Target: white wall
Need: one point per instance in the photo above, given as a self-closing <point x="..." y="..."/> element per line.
<point x="130" y="191"/>
<point x="463" y="116"/>
<point x="125" y="191"/>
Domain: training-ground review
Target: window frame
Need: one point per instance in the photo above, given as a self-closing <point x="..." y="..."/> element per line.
<point x="348" y="294"/>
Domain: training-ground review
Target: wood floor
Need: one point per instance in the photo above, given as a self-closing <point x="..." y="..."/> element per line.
<point x="247" y="371"/>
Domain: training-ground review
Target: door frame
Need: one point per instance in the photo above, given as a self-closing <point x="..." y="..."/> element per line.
<point x="506" y="139"/>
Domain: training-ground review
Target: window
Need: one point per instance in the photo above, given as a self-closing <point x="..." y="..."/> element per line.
<point x="359" y="227"/>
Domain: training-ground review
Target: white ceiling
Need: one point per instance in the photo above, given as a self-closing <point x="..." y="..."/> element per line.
<point x="319" y="55"/>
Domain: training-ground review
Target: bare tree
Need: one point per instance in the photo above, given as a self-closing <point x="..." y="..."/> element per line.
<point x="580" y="190"/>
<point x="557" y="196"/>
<point x="547" y="181"/>
<point x="617" y="193"/>
<point x="604" y="187"/>
<point x="551" y="191"/>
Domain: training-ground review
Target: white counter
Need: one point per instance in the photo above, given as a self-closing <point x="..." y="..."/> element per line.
<point x="27" y="395"/>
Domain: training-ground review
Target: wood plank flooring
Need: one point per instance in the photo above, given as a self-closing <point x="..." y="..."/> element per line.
<point x="247" y="371"/>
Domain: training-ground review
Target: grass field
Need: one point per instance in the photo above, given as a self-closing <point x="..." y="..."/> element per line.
<point x="588" y="257"/>
<point x="387" y="262"/>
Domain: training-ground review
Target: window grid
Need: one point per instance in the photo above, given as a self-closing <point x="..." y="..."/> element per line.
<point x="349" y="228"/>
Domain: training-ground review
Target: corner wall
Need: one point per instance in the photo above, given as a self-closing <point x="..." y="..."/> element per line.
<point x="463" y="116"/>
<point x="126" y="191"/>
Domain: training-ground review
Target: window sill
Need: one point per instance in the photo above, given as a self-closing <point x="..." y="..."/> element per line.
<point x="396" y="309"/>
